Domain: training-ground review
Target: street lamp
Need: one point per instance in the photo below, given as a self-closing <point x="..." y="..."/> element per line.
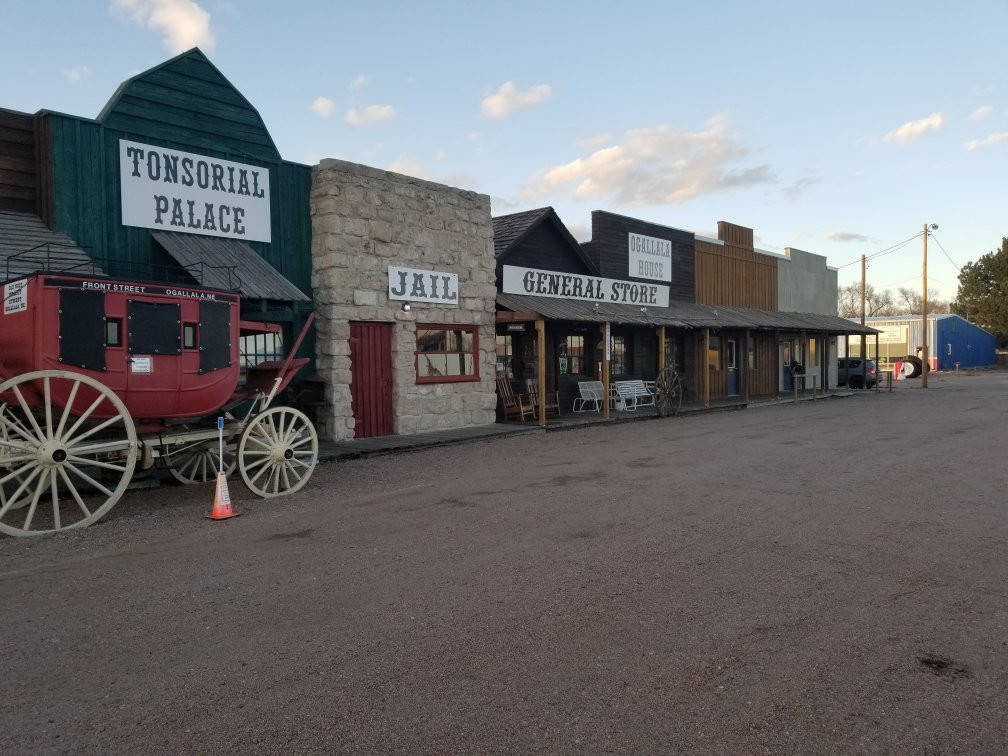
<point x="924" y="326"/>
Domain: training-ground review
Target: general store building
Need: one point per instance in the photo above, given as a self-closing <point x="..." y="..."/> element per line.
<point x="708" y="307"/>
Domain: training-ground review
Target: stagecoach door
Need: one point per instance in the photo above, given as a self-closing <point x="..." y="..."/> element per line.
<point x="371" y="378"/>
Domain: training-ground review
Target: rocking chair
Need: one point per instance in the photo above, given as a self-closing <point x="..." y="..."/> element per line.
<point x="552" y="398"/>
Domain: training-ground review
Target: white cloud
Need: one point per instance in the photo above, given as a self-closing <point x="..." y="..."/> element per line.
<point x="323" y="107"/>
<point x="76" y="73"/>
<point x="987" y="141"/>
<point x="409" y="167"/>
<point x="579" y="230"/>
<point x="846" y="236"/>
<point x="982" y="112"/>
<point x="593" y="142"/>
<point x="362" y="80"/>
<point x="440" y="155"/>
<point x="507" y="99"/>
<point x="183" y="23"/>
<point x="474" y="136"/>
<point x="370" y="115"/>
<point x="913" y="129"/>
<point x="654" y="166"/>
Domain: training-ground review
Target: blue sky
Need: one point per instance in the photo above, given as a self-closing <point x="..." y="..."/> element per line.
<point x="840" y="129"/>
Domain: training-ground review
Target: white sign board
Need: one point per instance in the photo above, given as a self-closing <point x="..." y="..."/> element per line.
<point x="414" y="285"/>
<point x="170" y="190"/>
<point x="650" y="257"/>
<point x="891" y="334"/>
<point x="141" y="364"/>
<point x="15" y="297"/>
<point x="550" y="283"/>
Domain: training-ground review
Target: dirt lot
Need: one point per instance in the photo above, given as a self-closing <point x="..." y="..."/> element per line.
<point x="823" y="578"/>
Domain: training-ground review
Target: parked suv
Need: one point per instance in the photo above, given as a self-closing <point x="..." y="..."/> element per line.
<point x="849" y="373"/>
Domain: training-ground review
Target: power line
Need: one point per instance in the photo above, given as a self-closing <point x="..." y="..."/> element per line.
<point x="945" y="253"/>
<point x="886" y="251"/>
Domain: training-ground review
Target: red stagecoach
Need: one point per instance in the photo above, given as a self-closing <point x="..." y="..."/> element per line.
<point x="100" y="376"/>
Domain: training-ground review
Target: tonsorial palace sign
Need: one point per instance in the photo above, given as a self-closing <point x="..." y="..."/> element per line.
<point x="182" y="191"/>
<point x="550" y="283"/>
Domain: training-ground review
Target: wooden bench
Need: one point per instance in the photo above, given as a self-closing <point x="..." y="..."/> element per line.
<point x="634" y="394"/>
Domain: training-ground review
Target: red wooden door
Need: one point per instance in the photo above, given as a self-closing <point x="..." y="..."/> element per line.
<point x="371" y="378"/>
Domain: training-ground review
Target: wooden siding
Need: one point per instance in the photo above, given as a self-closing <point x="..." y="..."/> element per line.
<point x="733" y="274"/>
<point x="609" y="249"/>
<point x="762" y="378"/>
<point x="185" y="104"/>
<point x="19" y="169"/>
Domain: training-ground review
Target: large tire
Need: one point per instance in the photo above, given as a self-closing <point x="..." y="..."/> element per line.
<point x="917" y="363"/>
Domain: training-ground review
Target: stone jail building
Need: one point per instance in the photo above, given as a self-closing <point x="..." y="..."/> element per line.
<point x="403" y="275"/>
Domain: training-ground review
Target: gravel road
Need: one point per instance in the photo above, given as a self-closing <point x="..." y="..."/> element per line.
<point x="822" y="578"/>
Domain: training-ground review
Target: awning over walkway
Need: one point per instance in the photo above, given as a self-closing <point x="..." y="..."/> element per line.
<point x="678" y="315"/>
<point x="228" y="264"/>
<point x="28" y="246"/>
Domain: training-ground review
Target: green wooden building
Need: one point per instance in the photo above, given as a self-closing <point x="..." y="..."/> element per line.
<point x="177" y="176"/>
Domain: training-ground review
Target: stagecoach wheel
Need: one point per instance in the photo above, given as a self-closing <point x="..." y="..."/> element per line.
<point x="200" y="463"/>
<point x="67" y="452"/>
<point x="277" y="452"/>
<point x="668" y="387"/>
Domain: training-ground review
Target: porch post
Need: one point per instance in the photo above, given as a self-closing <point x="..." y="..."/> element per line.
<point x="605" y="372"/>
<point x="540" y="326"/>
<point x="706" y="366"/>
<point x="745" y="362"/>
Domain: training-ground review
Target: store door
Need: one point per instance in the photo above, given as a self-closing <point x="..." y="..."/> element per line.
<point x="731" y="379"/>
<point x="371" y="378"/>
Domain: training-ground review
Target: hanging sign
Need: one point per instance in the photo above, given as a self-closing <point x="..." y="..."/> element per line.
<point x="193" y="194"/>
<point x="423" y="286"/>
<point x="649" y="257"/>
<point x="550" y="283"/>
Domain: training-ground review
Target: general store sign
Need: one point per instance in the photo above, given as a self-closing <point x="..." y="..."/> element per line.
<point x="650" y="257"/>
<point x="550" y="283"/>
<point x="413" y="285"/>
<point x="193" y="194"/>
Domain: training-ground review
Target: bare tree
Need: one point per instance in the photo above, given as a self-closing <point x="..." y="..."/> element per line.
<point x="876" y="302"/>
<point x="909" y="302"/>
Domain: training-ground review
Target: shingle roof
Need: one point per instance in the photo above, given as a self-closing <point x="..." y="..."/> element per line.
<point x="28" y="246"/>
<point x="509" y="228"/>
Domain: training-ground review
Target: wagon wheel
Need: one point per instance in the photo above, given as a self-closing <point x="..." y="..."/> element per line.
<point x="67" y="452"/>
<point x="277" y="452"/>
<point x="669" y="392"/>
<point x="200" y="463"/>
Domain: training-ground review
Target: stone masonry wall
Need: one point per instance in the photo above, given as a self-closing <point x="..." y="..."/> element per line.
<point x="365" y="219"/>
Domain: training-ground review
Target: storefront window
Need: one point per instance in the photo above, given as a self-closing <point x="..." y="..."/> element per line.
<point x="571" y="359"/>
<point x="505" y="354"/>
<point x="618" y="361"/>
<point x="446" y="353"/>
<point x="714" y="353"/>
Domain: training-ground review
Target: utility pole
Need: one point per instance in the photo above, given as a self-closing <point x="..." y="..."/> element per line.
<point x="864" y="343"/>
<point x="924" y="328"/>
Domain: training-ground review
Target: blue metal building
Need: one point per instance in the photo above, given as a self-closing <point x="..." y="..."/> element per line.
<point x="951" y="340"/>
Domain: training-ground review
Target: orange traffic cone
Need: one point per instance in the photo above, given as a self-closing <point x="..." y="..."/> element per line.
<point x="222" y="500"/>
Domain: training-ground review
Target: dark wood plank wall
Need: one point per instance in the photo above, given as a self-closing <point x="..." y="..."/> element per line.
<point x="733" y="274"/>
<point x="543" y="247"/>
<point x="609" y="249"/>
<point x="18" y="162"/>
